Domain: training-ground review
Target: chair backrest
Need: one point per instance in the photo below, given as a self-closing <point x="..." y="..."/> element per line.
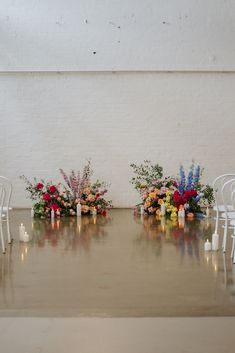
<point x="2" y="199"/>
<point x="228" y="193"/>
<point x="7" y="185"/>
<point x="232" y="190"/>
<point x="218" y="184"/>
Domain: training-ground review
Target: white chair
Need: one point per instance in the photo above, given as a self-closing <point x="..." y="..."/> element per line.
<point x="232" y="223"/>
<point x="6" y="204"/>
<point x="2" y="197"/>
<point x="219" y="207"/>
<point x="228" y="193"/>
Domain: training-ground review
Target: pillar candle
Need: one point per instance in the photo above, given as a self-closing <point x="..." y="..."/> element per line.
<point x="21" y="231"/>
<point x="26" y="237"/>
<point x="79" y="210"/>
<point x="94" y="211"/>
<point x="142" y="209"/>
<point x="215" y="242"/>
<point x="207" y="245"/>
<point x="32" y="212"/>
<point x="163" y="209"/>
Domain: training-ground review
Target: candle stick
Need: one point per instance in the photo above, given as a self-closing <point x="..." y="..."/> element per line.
<point x="207" y="212"/>
<point x="79" y="210"/>
<point x="32" y="212"/>
<point x="142" y="210"/>
<point x="207" y="245"/>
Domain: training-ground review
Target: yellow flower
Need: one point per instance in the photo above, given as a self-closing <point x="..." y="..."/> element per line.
<point x="91" y="198"/>
<point x="173" y="215"/>
<point x="160" y="202"/>
<point x="147" y="204"/>
<point x="152" y="195"/>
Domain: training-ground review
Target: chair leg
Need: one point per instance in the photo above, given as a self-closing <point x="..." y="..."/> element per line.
<point x="2" y="238"/>
<point x="224" y="244"/>
<point x="8" y="229"/>
<point x="216" y="222"/>
<point x="232" y="251"/>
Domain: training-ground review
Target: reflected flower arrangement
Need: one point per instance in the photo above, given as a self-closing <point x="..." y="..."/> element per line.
<point x="70" y="234"/>
<point x="184" y="234"/>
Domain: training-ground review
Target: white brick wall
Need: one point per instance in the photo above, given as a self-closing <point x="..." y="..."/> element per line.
<point x="50" y="120"/>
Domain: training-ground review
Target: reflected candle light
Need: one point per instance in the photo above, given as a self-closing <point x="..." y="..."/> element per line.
<point x="215" y="261"/>
<point x="181" y="222"/>
<point x="163" y="224"/>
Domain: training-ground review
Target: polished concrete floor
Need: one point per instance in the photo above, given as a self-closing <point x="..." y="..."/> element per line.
<point x="114" y="266"/>
<point x="117" y="335"/>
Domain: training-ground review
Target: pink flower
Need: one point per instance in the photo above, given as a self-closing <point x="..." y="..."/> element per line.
<point x="39" y="186"/>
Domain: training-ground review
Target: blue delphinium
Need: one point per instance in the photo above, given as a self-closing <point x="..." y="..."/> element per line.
<point x="189" y="184"/>
<point x="181" y="186"/>
<point x="196" y="176"/>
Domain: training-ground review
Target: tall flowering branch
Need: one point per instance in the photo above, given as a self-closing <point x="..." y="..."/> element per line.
<point x="76" y="183"/>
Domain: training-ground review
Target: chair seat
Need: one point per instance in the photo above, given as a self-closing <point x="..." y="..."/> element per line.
<point x="221" y="208"/>
<point x="231" y="215"/>
<point x="4" y="209"/>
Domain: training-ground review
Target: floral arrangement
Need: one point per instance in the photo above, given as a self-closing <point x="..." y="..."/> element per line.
<point x="63" y="199"/>
<point x="170" y="195"/>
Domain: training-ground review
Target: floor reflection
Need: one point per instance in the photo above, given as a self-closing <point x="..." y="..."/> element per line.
<point x="118" y="265"/>
<point x="186" y="236"/>
<point x="183" y="234"/>
<point x="73" y="234"/>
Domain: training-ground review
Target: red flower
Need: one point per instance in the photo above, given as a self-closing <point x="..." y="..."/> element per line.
<point x="39" y="186"/>
<point x="103" y="212"/>
<point x="194" y="193"/>
<point x="52" y="189"/>
<point x="176" y="196"/>
<point x="54" y="207"/>
<point x="46" y="197"/>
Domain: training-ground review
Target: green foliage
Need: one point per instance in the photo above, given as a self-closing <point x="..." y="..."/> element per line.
<point x="146" y="174"/>
<point x="208" y="195"/>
